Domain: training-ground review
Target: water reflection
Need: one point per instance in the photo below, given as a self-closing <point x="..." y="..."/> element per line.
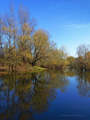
<point x="22" y="95"/>
<point x="84" y="84"/>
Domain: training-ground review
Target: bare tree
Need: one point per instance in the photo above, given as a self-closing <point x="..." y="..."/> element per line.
<point x="82" y="50"/>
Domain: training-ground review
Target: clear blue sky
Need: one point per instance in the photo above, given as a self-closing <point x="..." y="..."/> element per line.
<point x="67" y="21"/>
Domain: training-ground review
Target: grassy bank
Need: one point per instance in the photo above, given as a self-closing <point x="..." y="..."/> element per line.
<point x="22" y="69"/>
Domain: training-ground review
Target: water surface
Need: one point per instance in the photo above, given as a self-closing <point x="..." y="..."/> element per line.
<point x="45" y="96"/>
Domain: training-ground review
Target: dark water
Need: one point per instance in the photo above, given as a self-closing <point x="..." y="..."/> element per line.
<point x="45" y="96"/>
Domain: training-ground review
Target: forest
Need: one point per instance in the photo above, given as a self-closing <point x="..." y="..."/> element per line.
<point x="24" y="48"/>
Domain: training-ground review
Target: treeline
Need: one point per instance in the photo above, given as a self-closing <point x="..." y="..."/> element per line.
<point x="21" y="44"/>
<point x="81" y="63"/>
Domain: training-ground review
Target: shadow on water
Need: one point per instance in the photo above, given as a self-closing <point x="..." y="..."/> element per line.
<point x="22" y="95"/>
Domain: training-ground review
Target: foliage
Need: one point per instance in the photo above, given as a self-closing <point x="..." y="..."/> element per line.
<point x="23" y="45"/>
<point x="82" y="62"/>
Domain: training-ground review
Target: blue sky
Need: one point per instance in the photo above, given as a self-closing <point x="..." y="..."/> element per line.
<point x="67" y="21"/>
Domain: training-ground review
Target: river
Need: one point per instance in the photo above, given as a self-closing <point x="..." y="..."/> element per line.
<point x="45" y="96"/>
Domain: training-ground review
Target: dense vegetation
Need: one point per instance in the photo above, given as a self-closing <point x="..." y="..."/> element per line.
<point x="22" y="46"/>
<point x="82" y="62"/>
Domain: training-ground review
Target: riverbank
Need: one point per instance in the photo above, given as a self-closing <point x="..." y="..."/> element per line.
<point x="22" y="69"/>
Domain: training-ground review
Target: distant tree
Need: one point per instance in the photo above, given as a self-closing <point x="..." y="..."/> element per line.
<point x="88" y="60"/>
<point x="81" y="61"/>
<point x="70" y="62"/>
<point x="82" y="50"/>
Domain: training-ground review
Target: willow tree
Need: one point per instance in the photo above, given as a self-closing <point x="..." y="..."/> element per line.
<point x="56" y="59"/>
<point x="40" y="46"/>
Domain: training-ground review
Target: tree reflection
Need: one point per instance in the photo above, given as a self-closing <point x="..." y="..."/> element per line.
<point x="84" y="84"/>
<point x="22" y="95"/>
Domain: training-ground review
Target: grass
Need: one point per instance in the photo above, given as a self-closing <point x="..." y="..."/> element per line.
<point x="23" y="69"/>
<point x="38" y="69"/>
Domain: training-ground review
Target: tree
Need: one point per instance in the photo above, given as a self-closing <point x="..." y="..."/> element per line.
<point x="10" y="35"/>
<point x="25" y="35"/>
<point x="40" y="46"/>
<point x="88" y="60"/>
<point x="1" y="31"/>
<point x="81" y="61"/>
<point x="1" y="41"/>
<point x="23" y="45"/>
<point x="70" y="61"/>
<point x="82" y="50"/>
<point x="56" y="58"/>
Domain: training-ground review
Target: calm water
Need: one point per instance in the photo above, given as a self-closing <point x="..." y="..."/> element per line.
<point x="45" y="96"/>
